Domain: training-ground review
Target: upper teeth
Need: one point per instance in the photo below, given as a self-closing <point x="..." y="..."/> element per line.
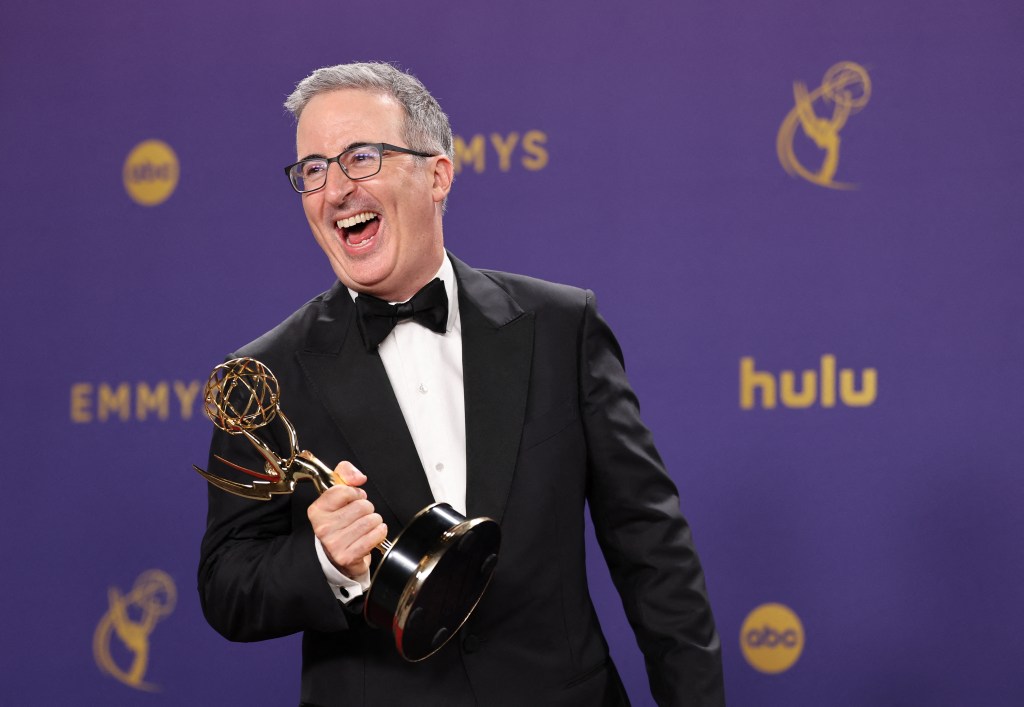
<point x="358" y="218"/>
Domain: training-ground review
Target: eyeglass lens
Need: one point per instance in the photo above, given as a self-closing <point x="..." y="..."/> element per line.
<point x="358" y="163"/>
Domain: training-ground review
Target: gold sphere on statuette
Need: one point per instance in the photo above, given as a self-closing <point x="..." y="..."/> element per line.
<point x="241" y="394"/>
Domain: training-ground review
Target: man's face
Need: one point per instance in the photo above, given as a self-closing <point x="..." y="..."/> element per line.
<point x="383" y="234"/>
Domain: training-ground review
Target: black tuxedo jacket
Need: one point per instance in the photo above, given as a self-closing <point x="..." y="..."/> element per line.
<point x="551" y="424"/>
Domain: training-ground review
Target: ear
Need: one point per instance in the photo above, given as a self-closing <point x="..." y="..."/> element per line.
<point x="444" y="173"/>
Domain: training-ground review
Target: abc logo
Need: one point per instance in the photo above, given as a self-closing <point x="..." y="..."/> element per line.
<point x="772" y="638"/>
<point x="151" y="172"/>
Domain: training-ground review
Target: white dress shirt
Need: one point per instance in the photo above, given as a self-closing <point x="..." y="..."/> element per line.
<point x="425" y="370"/>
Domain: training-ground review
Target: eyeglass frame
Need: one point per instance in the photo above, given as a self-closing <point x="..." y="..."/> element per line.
<point x="382" y="147"/>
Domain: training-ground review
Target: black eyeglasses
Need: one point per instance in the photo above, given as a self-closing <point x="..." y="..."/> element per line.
<point x="359" y="162"/>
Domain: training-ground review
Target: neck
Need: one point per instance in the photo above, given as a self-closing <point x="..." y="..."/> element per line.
<point x="410" y="287"/>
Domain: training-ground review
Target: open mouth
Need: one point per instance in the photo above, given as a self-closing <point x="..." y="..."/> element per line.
<point x="359" y="229"/>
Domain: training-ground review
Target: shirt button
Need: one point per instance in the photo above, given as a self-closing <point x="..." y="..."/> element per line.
<point x="439" y="466"/>
<point x="422" y="389"/>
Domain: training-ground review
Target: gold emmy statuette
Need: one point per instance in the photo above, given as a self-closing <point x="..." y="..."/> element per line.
<point x="431" y="576"/>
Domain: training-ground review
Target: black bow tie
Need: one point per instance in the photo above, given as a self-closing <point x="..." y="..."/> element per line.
<point x="377" y="318"/>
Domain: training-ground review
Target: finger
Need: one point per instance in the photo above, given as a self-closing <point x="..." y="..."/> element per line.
<point x="339" y="529"/>
<point x="361" y="538"/>
<point x="346" y="473"/>
<point x="349" y="548"/>
<point x="336" y="498"/>
<point x="363" y="546"/>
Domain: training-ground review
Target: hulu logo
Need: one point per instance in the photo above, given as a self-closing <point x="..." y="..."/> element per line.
<point x="815" y="386"/>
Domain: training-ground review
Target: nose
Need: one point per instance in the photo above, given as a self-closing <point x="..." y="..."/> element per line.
<point x="337" y="185"/>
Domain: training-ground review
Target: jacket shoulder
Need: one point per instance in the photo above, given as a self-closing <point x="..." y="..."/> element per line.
<point x="290" y="335"/>
<point x="534" y="294"/>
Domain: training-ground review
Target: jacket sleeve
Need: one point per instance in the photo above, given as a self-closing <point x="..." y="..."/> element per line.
<point x="259" y="576"/>
<point x="646" y="541"/>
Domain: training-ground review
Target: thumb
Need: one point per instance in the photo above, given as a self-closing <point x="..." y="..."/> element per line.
<point x="345" y="473"/>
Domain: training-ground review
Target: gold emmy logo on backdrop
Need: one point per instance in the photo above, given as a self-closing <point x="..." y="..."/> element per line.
<point x="132" y="618"/>
<point x="151" y="172"/>
<point x="846" y="88"/>
<point x="772" y="638"/>
<point x="134" y="400"/>
<point x="528" y="151"/>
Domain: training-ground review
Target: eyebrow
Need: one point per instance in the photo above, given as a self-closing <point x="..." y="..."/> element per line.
<point x="318" y="156"/>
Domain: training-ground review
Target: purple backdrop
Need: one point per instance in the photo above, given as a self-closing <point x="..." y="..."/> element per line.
<point x="644" y="166"/>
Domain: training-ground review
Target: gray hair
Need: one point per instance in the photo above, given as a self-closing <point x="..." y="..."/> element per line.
<point x="426" y="126"/>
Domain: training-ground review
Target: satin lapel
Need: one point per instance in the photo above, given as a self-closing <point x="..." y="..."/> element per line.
<point x="497" y="350"/>
<point x="354" y="388"/>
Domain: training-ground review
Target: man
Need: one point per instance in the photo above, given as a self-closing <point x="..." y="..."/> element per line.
<point x="516" y="408"/>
